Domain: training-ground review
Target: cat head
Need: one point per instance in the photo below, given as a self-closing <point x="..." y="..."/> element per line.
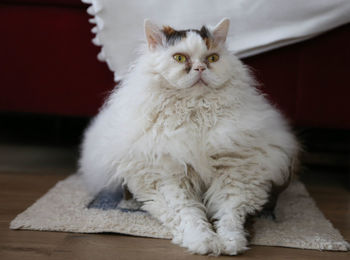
<point x="190" y="58"/>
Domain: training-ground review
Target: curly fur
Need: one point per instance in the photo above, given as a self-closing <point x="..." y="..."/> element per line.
<point x="201" y="157"/>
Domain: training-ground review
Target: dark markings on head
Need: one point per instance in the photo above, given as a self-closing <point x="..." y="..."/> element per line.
<point x="188" y="66"/>
<point x="206" y="36"/>
<point x="173" y="36"/>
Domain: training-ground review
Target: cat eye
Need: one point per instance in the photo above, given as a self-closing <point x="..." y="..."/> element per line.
<point x="213" y="58"/>
<point x="180" y="58"/>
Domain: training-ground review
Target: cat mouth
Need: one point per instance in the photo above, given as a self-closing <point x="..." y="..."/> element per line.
<point x="200" y="81"/>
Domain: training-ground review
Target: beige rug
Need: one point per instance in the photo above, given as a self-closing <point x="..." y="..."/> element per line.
<point x="299" y="223"/>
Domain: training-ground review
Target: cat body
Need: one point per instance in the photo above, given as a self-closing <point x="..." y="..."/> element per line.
<point x="192" y="139"/>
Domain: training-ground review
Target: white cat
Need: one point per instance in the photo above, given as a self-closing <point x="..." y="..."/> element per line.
<point x="192" y="139"/>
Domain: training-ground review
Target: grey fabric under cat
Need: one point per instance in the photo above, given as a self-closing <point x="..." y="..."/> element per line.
<point x="299" y="223"/>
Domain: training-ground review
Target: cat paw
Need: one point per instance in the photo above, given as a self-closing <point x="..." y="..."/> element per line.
<point x="202" y="243"/>
<point x="233" y="243"/>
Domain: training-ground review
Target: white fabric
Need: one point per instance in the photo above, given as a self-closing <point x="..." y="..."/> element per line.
<point x="256" y="25"/>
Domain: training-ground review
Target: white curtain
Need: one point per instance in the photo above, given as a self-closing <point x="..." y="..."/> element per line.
<point x="256" y="25"/>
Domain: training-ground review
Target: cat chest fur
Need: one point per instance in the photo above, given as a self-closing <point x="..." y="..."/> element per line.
<point x="186" y="114"/>
<point x="180" y="128"/>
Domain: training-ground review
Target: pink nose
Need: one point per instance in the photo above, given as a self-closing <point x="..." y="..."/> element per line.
<point x="200" y="68"/>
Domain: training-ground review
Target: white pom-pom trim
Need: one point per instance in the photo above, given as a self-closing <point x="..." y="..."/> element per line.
<point x="94" y="9"/>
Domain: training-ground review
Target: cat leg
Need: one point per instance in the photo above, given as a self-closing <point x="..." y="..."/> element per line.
<point x="233" y="195"/>
<point x="175" y="200"/>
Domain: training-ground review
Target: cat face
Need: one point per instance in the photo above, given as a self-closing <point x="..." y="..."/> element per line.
<point x="190" y="58"/>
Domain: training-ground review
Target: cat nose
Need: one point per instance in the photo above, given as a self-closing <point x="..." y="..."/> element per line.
<point x="200" y="67"/>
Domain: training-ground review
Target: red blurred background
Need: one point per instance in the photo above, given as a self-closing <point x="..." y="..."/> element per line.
<point x="49" y="67"/>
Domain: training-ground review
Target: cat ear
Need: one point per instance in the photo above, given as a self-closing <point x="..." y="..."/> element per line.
<point x="220" y="31"/>
<point x="154" y="35"/>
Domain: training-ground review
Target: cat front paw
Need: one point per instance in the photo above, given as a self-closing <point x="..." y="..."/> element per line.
<point x="199" y="242"/>
<point x="204" y="244"/>
<point x="233" y="243"/>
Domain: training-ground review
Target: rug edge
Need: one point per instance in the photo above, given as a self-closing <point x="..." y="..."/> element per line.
<point x="20" y="222"/>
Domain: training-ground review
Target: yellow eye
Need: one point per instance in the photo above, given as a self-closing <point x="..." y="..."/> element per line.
<point x="213" y="58"/>
<point x="180" y="58"/>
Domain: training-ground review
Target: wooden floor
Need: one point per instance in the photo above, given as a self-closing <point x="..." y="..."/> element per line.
<point x="18" y="190"/>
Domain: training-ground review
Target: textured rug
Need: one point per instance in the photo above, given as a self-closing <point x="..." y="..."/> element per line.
<point x="68" y="207"/>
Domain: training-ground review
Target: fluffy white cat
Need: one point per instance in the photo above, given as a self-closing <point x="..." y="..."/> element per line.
<point x="192" y="139"/>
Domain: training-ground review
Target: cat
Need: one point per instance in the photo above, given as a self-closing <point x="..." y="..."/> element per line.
<point x="192" y="138"/>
